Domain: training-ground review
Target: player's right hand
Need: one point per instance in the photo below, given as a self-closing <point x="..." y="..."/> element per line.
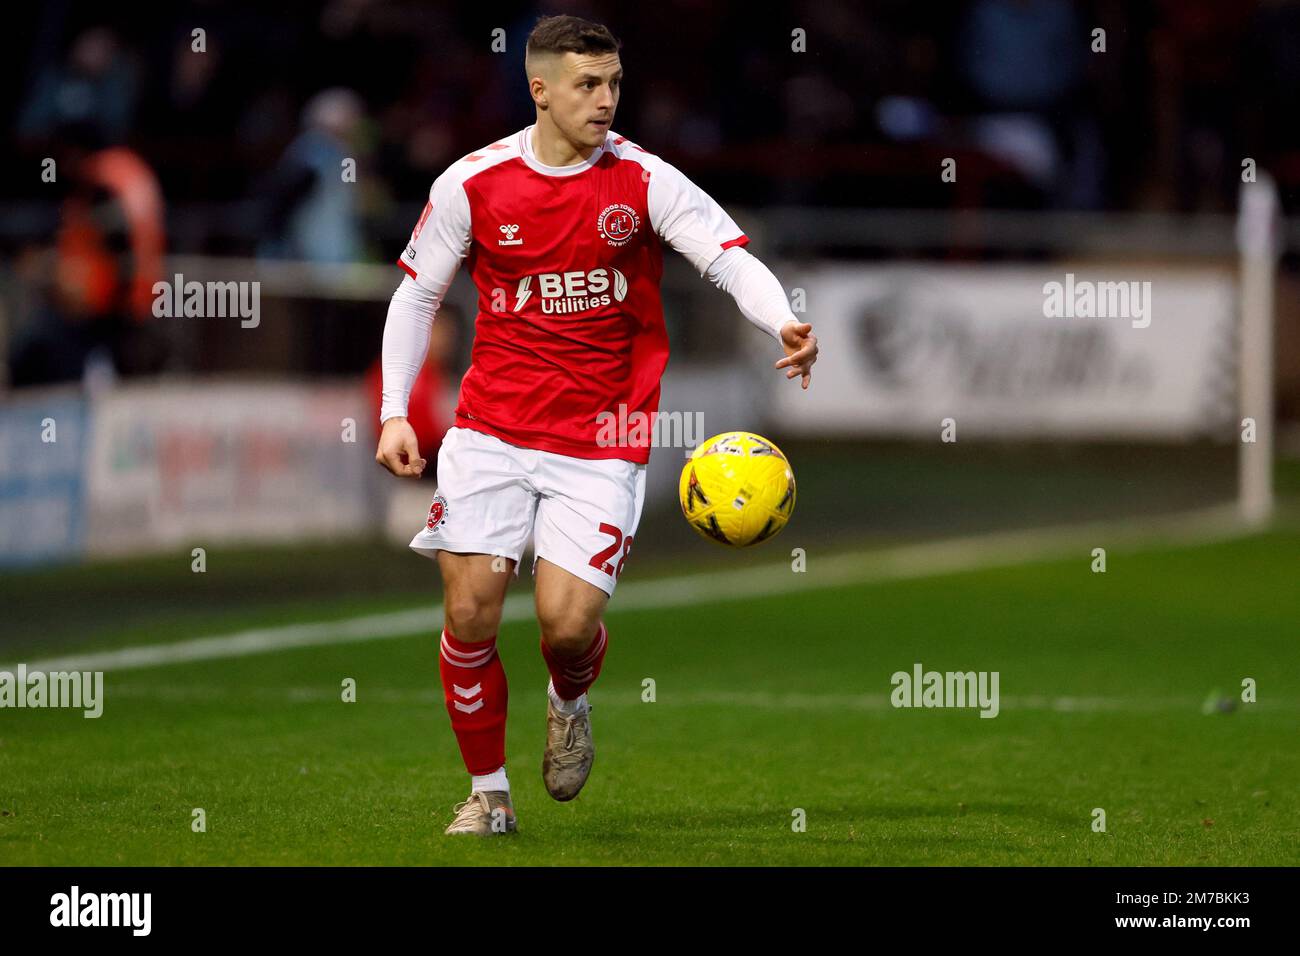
<point x="398" y="451"/>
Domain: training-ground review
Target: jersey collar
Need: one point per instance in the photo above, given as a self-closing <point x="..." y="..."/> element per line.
<point x="526" y="152"/>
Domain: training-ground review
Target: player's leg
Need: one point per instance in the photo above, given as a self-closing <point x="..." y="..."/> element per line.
<point x="478" y="525"/>
<point x="586" y="519"/>
<point x="569" y="612"/>
<point x="474" y="683"/>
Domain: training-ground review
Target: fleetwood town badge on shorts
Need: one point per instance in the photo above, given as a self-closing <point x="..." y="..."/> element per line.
<point x="437" y="513"/>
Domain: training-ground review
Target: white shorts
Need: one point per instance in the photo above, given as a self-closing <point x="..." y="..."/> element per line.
<point x="491" y="496"/>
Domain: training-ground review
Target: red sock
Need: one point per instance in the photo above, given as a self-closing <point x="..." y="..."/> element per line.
<point x="572" y="677"/>
<point x="474" y="683"/>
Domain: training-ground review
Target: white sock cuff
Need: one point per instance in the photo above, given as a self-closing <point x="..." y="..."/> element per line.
<point x="566" y="707"/>
<point x="496" y="780"/>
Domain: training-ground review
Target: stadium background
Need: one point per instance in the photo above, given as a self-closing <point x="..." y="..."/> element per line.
<point x="182" y="433"/>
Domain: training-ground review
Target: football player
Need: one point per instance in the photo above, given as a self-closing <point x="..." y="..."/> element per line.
<point x="560" y="226"/>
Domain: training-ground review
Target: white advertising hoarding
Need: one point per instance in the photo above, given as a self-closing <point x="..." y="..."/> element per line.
<point x="174" y="465"/>
<point x="904" y="347"/>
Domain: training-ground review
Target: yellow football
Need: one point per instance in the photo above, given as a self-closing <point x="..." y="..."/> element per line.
<point x="737" y="489"/>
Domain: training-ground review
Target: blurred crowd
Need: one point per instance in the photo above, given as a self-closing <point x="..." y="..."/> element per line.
<point x="222" y="126"/>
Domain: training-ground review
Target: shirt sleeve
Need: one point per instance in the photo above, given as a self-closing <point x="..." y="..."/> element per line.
<point x="441" y="237"/>
<point x="688" y="219"/>
<point x="757" y="291"/>
<point x="406" y="342"/>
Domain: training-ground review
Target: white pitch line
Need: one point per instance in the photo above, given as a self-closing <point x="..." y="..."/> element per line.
<point x="630" y="697"/>
<point x="908" y="562"/>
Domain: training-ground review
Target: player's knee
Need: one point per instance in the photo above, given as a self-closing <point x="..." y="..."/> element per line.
<point x="471" y="618"/>
<point x="568" y="633"/>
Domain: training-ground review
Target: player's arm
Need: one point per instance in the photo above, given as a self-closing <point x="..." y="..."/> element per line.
<point x="438" y="243"/>
<point x="690" y="221"/>
<point x="761" y="298"/>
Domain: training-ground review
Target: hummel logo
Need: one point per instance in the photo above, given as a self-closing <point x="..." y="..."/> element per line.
<point x="509" y="233"/>
<point x="467" y="693"/>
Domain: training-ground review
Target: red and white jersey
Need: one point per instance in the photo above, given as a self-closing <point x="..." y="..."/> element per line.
<point x="567" y="262"/>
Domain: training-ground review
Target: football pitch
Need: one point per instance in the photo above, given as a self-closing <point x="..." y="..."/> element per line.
<point x="770" y="737"/>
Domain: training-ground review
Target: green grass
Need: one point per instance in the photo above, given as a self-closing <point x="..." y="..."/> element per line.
<point x="764" y="706"/>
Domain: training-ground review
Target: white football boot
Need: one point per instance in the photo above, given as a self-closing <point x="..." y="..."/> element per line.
<point x="484" y="813"/>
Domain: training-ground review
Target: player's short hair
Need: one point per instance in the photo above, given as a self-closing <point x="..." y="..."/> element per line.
<point x="567" y="34"/>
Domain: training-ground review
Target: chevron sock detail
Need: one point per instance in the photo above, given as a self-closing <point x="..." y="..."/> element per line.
<point x="571" y="677"/>
<point x="474" y="687"/>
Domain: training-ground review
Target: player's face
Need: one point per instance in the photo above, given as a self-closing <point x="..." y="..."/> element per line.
<point x="583" y="95"/>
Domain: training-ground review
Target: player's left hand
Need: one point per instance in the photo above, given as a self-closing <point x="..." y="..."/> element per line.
<point x="800" y="350"/>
